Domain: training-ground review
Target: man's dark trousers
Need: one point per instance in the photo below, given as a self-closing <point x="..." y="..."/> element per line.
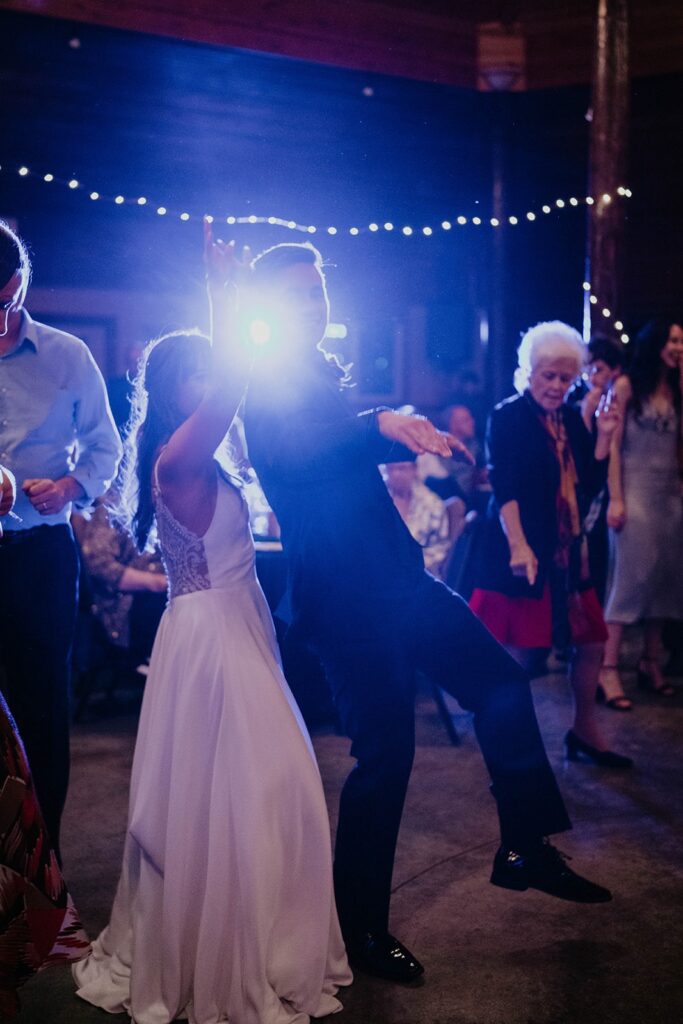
<point x="38" y="595"/>
<point x="373" y="678"/>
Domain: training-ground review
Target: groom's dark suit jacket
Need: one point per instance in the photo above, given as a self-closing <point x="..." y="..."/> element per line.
<point x="349" y="552"/>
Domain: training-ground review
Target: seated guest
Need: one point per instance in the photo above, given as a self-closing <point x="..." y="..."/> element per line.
<point x="8" y="492"/>
<point x="452" y="478"/>
<point x="423" y="512"/>
<point x="117" y="574"/>
<point x="532" y="570"/>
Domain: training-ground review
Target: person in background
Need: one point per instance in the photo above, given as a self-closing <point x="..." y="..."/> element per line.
<point x="118" y="574"/>
<point x="606" y="360"/>
<point x="605" y="364"/>
<point x="645" y="511"/>
<point x="423" y="512"/>
<point x="58" y="438"/>
<point x="8" y="493"/>
<point x="449" y="477"/>
<point x="38" y="923"/>
<point x="533" y="576"/>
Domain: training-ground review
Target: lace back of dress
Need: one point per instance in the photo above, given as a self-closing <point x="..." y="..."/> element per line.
<point x="182" y="551"/>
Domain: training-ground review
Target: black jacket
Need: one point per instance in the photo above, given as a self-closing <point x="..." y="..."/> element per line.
<point x="349" y="553"/>
<point x="523" y="467"/>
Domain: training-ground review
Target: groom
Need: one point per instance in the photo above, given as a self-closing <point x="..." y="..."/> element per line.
<point x="360" y="597"/>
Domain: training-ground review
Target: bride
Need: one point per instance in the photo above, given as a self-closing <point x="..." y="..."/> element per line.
<point x="224" y="910"/>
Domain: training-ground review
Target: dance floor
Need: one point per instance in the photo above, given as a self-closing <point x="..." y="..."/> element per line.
<point x="491" y="956"/>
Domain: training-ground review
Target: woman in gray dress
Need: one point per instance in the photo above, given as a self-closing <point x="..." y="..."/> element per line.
<point x="645" y="511"/>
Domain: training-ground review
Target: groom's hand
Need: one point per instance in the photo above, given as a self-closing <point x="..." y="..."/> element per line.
<point x="416" y="433"/>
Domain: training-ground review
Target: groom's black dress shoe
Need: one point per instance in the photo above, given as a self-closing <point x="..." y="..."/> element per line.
<point x="544" y="868"/>
<point x="385" y="957"/>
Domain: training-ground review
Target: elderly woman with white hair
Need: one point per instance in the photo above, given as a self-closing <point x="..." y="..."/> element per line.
<point x="531" y="575"/>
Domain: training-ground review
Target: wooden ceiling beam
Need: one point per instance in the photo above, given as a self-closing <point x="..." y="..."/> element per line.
<point x="423" y="40"/>
<point x="366" y="35"/>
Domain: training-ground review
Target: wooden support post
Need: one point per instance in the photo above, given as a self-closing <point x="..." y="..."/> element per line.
<point x="608" y="158"/>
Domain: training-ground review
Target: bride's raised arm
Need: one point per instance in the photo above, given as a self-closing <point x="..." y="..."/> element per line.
<point x="221" y="383"/>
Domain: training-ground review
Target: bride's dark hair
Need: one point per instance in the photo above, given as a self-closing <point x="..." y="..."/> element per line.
<point x="164" y="365"/>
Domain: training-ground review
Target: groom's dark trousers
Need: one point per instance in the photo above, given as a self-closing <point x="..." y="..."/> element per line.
<point x="359" y="595"/>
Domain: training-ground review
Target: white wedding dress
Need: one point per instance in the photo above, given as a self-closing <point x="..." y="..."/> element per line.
<point x="224" y="911"/>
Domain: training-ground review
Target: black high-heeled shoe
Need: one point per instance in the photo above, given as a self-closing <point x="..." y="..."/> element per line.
<point x="645" y="681"/>
<point x="577" y="750"/>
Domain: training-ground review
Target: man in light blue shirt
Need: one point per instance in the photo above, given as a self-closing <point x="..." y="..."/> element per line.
<point x="58" y="438"/>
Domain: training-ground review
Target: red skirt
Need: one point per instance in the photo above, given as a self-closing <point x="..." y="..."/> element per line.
<point x="528" y="621"/>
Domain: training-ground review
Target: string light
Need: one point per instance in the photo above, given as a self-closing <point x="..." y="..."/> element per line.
<point x="622" y="192"/>
<point x="607" y="313"/>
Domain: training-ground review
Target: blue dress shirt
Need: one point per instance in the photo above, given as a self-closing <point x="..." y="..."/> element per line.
<point x="54" y="419"/>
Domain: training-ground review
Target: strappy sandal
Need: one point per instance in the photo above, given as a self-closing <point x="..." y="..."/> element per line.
<point x="620" y="702"/>
<point x="646" y="681"/>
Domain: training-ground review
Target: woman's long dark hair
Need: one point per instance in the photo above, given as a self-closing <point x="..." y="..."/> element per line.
<point x="164" y="365"/>
<point x="279" y="257"/>
<point x="646" y="366"/>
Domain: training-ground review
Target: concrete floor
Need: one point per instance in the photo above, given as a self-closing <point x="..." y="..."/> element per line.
<point x="491" y="956"/>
